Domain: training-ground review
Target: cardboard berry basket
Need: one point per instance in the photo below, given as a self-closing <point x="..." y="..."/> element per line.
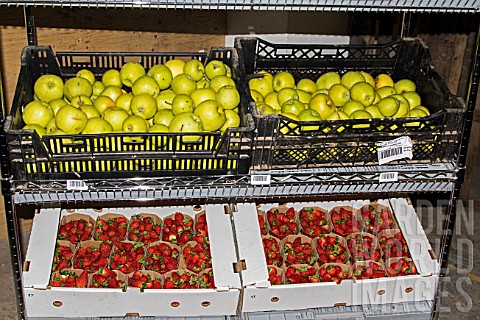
<point x="71" y="217"/>
<point x="56" y="264"/>
<point x="355" y="214"/>
<point x="305" y="241"/>
<point x="131" y="233"/>
<point x="375" y="247"/>
<point x="374" y="227"/>
<point x="324" y="227"/>
<point x="132" y="282"/>
<point x="342" y="241"/>
<point x="277" y="228"/>
<point x="276" y="258"/>
<point x="108" y="217"/>
<point x="260" y="295"/>
<point x="390" y="233"/>
<point x="41" y="301"/>
<point x="120" y="155"/>
<point x="76" y="272"/>
<point x="119" y="276"/>
<point x="363" y="264"/>
<point x="281" y="142"/>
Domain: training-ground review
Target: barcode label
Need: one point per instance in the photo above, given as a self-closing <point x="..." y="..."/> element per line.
<point x="388" y="177"/>
<point x="401" y="141"/>
<point x="387" y="154"/>
<point x="260" y="179"/>
<point x="76" y="185"/>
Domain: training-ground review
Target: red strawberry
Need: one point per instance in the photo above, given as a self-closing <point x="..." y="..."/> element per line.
<point x="113" y="229"/>
<point x="197" y="256"/>
<point x="75" y="231"/>
<point x="332" y="273"/>
<point x="206" y="280"/>
<point x="282" y="224"/>
<point x="331" y="249"/>
<point x="161" y="258"/>
<point x="313" y="222"/>
<point x="274" y="276"/>
<point x="179" y="280"/>
<point x="62" y="257"/>
<point x="143" y="229"/>
<point x="297" y="252"/>
<point x="179" y="229"/>
<point x="296" y="274"/>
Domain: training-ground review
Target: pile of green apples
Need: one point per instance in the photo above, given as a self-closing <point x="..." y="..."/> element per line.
<point x="177" y="96"/>
<point x="352" y="95"/>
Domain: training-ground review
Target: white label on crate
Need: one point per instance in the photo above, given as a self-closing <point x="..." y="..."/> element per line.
<point x="261" y="179"/>
<point x="401" y="141"/>
<point x="395" y="149"/>
<point x="76" y="185"/>
<point x="388" y="177"/>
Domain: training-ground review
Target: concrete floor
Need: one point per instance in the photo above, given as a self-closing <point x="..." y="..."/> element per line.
<point x="460" y="291"/>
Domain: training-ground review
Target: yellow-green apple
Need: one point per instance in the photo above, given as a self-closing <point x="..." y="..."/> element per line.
<point x="56" y="104"/>
<point x="90" y="111"/>
<point x="187" y="122"/>
<point x="212" y="115"/>
<point x="183" y="84"/>
<point x="405" y="85"/>
<point x="339" y="94"/>
<point x="286" y="94"/>
<point x="182" y="103"/>
<point x="159" y="128"/>
<point x="363" y="92"/>
<point x="415" y="113"/>
<point x="175" y="66"/>
<point x="143" y="105"/>
<point x="352" y="106"/>
<point x="283" y="79"/>
<point x="228" y="97"/>
<point x="303" y="96"/>
<point x="373" y="110"/>
<point x="123" y="101"/>
<point x="221" y="81"/>
<point x="263" y="83"/>
<point x="164" y="116"/>
<point x="383" y="80"/>
<point x="377" y="98"/>
<point x="37" y="112"/>
<point x="229" y="71"/>
<point x="404" y="107"/>
<point x="111" y="77"/>
<point x="77" y="87"/>
<point x="256" y="96"/>
<point x="413" y="99"/>
<point x="386" y="91"/>
<point x="162" y="75"/>
<point x="349" y="78"/>
<point x="361" y="114"/>
<point x="146" y="84"/>
<point x="71" y="120"/>
<point x="97" y="126"/>
<point x="87" y="74"/>
<point x="194" y="68"/>
<point x="130" y="72"/>
<point x="368" y="78"/>
<point x="215" y="68"/>
<point x="165" y="99"/>
<point x="115" y="116"/>
<point x="202" y="94"/>
<point x="50" y="127"/>
<point x="389" y="106"/>
<point x="293" y="106"/>
<point x="423" y="108"/>
<point x="233" y="120"/>
<point x="309" y="115"/>
<point x="48" y="87"/>
<point x="322" y="104"/>
<point x="97" y="88"/>
<point x="79" y="101"/>
<point x="264" y="108"/>
<point x="112" y="91"/>
<point x="307" y="85"/>
<point x="204" y="83"/>
<point x="102" y="103"/>
<point x="38" y="129"/>
<point x="272" y="100"/>
<point x="326" y="80"/>
<point x="135" y="124"/>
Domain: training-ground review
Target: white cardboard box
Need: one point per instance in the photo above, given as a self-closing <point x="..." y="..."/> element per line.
<point x="44" y="301"/>
<point x="259" y="295"/>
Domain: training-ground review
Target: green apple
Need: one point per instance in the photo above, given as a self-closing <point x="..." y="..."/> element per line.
<point x="361" y="114"/>
<point x="71" y="120"/>
<point x="146" y="84"/>
<point x="309" y="115"/>
<point x="164" y="116"/>
<point x="413" y="99"/>
<point x="233" y="120"/>
<point x="97" y="126"/>
<point x="212" y="115"/>
<point x="389" y="106"/>
<point x="37" y="128"/>
<point x="135" y="124"/>
<point x="48" y="87"/>
<point x="383" y="80"/>
<point x="37" y="112"/>
<point x="363" y="92"/>
<point x="322" y="104"/>
<point x="373" y="110"/>
<point x="386" y="91"/>
<point x="50" y="127"/>
<point x="123" y="101"/>
<point x="423" y="108"/>
<point x="339" y="94"/>
<point x="307" y="85"/>
<point x="221" y="81"/>
<point x="87" y="74"/>
<point x="144" y="105"/>
<point x="303" y="96"/>
<point x="228" y="97"/>
<point x="162" y="75"/>
<point x="202" y="94"/>
<point x="352" y="106"/>
<point x="229" y="71"/>
<point x="263" y="83"/>
<point x="204" y="83"/>
<point x="286" y="94"/>
<point x="293" y="106"/>
<point x="182" y="103"/>
<point x="159" y="128"/>
<point x="415" y="113"/>
<point x="215" y="68"/>
<point x="271" y="99"/>
<point x="165" y="99"/>
<point x="195" y="69"/>
<point x="56" y="104"/>
<point x="283" y="79"/>
<point x="102" y="103"/>
<point x="97" y="88"/>
<point x="404" y="107"/>
<point x="183" y="84"/>
<point x="264" y="108"/>
<point x="112" y="91"/>
<point x="349" y="78"/>
<point x="175" y="66"/>
<point x="90" y="111"/>
<point x="405" y="85"/>
<point x="115" y="116"/>
<point x="368" y="78"/>
<point x="130" y="72"/>
<point x="377" y="98"/>
<point x="77" y="87"/>
<point x="256" y="96"/>
<point x="79" y="101"/>
<point x="187" y="122"/>
<point x="111" y="77"/>
<point x="327" y="80"/>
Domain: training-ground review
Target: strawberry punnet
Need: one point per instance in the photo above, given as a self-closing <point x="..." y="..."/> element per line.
<point x="394" y="247"/>
<point x="282" y="224"/>
<point x="162" y="257"/>
<point x="331" y="248"/>
<point x="345" y="221"/>
<point x="274" y="275"/>
<point x="106" y="278"/>
<point x="144" y="280"/>
<point x="272" y="251"/>
<point x="68" y="278"/>
<point x="197" y="256"/>
<point x="206" y="280"/>
<point x="178" y="229"/>
<point x="400" y="267"/>
<point x="92" y="258"/>
<point x="313" y="222"/>
<point x="263" y="224"/>
<point x="181" y="280"/>
<point x="111" y="229"/>
<point x="332" y="273"/>
<point x="376" y="220"/>
<point x="62" y="257"/>
<point x="144" y="229"/>
<point x="201" y="227"/>
<point x="363" y="247"/>
<point x="76" y="231"/>
<point x="368" y="270"/>
<point x="128" y="257"/>
<point x="298" y="252"/>
<point x="300" y="274"/>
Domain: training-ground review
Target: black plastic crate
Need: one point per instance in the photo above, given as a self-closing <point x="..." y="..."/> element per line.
<point x="89" y="157"/>
<point x="284" y="143"/>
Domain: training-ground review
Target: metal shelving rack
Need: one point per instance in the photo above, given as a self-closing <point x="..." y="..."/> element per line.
<point x="443" y="178"/>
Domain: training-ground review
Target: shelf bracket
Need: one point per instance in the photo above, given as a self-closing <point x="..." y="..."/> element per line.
<point x="30" y="26"/>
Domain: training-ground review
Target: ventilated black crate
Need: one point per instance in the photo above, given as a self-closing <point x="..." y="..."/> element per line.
<point x="284" y="143"/>
<point x="120" y="155"/>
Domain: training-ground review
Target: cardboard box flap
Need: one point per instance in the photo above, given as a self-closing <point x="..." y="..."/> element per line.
<point x="418" y="245"/>
<point x="224" y="255"/>
<point x="248" y="236"/>
<point x="40" y="256"/>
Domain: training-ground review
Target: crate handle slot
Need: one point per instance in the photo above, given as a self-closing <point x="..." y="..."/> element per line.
<point x="275" y="299"/>
<point x="432" y="254"/>
<point x="175" y="304"/>
<point x="205" y="304"/>
<point x="57" y="303"/>
<point x="132" y="314"/>
<point x="381" y="292"/>
<point x="239" y="266"/>
<point x="26" y="266"/>
<point x="409" y="289"/>
<point x="226" y="209"/>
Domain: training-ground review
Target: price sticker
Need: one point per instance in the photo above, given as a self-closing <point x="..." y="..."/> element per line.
<point x="76" y="185"/>
<point x="261" y="179"/>
<point x="388" y="177"/>
<point x="396" y="149"/>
